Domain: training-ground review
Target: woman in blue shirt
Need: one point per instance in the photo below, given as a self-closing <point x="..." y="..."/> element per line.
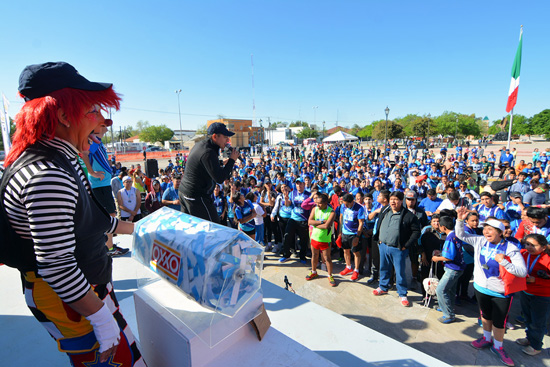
<point x="244" y="214"/>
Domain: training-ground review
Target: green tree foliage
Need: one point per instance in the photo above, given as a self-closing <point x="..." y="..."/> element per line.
<point x="277" y="124"/>
<point x="541" y="123"/>
<point x="467" y="124"/>
<point x="395" y="130"/>
<point x="155" y="134"/>
<point x="420" y="126"/>
<point x="307" y="132"/>
<point x="298" y="123"/>
<point x="202" y="130"/>
<point x="408" y="122"/>
<point x="355" y="129"/>
<point x="141" y="125"/>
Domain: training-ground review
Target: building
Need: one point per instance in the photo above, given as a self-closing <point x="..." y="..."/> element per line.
<point x="279" y="135"/>
<point x="245" y="136"/>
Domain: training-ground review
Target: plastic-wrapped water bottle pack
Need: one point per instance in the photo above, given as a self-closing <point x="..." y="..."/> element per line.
<point x="217" y="266"/>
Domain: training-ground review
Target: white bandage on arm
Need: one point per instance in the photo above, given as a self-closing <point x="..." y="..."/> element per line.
<point x="106" y="329"/>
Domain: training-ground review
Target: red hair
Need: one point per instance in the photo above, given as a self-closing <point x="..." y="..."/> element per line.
<point x="38" y="117"/>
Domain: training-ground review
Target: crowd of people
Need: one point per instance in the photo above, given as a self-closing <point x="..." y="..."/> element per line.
<point x="377" y="209"/>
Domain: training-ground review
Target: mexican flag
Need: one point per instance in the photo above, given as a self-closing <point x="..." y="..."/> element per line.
<point x="514" y="84"/>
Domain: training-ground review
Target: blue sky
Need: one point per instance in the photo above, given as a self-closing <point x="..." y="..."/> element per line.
<point x="349" y="58"/>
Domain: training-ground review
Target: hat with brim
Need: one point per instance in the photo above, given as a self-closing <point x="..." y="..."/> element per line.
<point x="515" y="194"/>
<point x="127" y="178"/>
<point x="40" y="80"/>
<point x="219" y="128"/>
<point x="493" y="223"/>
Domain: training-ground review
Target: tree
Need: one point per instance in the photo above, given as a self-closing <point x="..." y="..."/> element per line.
<point x="298" y="123"/>
<point x="307" y="132"/>
<point x="202" y="130"/>
<point x="467" y="124"/>
<point x="141" y="125"/>
<point x="155" y="134"/>
<point x="355" y="130"/>
<point x="277" y="124"/>
<point x="366" y="132"/>
<point x="408" y="123"/>
<point x="541" y="123"/>
<point x="395" y="130"/>
<point x="420" y="127"/>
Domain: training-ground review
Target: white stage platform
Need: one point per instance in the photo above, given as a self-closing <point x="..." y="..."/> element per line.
<point x="302" y="332"/>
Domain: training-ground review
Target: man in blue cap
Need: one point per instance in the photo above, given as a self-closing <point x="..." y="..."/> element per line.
<point x="203" y="170"/>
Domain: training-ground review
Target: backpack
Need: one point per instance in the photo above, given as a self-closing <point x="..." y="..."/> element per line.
<point x="17" y="252"/>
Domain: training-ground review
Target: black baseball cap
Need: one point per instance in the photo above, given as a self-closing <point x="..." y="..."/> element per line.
<point x="39" y="80"/>
<point x="219" y="128"/>
<point x="515" y="194"/>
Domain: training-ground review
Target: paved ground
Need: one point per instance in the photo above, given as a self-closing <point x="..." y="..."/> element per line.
<point x="415" y="326"/>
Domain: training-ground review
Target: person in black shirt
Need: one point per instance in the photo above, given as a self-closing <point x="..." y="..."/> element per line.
<point x="203" y="170"/>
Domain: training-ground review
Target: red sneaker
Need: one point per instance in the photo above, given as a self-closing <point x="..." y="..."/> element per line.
<point x="378" y="292"/>
<point x="405" y="302"/>
<point x="311" y="275"/>
<point x="346" y="271"/>
<point x="481" y="343"/>
<point x="501" y="353"/>
<point x="355" y="276"/>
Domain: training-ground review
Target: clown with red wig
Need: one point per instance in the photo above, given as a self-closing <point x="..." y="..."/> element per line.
<point x="57" y="226"/>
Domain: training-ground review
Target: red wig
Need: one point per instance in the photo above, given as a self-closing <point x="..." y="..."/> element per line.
<point x="38" y="117"/>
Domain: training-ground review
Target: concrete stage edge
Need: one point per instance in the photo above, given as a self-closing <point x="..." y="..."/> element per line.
<point x="335" y="339"/>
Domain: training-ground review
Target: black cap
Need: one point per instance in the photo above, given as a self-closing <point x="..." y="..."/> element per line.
<point x="515" y="194"/>
<point x="219" y="128"/>
<point x="39" y="80"/>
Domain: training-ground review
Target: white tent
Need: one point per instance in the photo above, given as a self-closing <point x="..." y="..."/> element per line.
<point x="340" y="136"/>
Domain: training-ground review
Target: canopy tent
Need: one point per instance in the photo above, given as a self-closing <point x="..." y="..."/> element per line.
<point x="340" y="136"/>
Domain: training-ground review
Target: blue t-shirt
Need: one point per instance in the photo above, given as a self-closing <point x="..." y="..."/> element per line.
<point x="171" y="194"/>
<point x="218" y="203"/>
<point x="350" y="218"/>
<point x="485" y="212"/>
<point x="243" y="212"/>
<point x="100" y="163"/>
<point x="430" y="205"/>
<point x="452" y="249"/>
<point x="297" y="198"/>
<point x="230" y="207"/>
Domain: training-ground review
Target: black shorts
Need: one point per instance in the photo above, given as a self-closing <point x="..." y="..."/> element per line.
<point x="136" y="218"/>
<point x="105" y="197"/>
<point x="494" y="309"/>
<point x="249" y="233"/>
<point x="347" y="243"/>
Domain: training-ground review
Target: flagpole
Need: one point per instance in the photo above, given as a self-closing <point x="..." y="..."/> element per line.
<point x="510" y="128"/>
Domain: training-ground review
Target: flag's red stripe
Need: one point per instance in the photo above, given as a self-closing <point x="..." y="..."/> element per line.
<point x="512" y="99"/>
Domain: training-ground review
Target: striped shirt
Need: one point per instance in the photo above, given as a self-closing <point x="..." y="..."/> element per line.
<point x="40" y="201"/>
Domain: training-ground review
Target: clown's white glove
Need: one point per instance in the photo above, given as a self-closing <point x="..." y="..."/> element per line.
<point x="106" y="329"/>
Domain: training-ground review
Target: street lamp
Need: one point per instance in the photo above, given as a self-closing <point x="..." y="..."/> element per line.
<point x="178" y="91"/>
<point x="323" y="129"/>
<point x="387" y="110"/>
